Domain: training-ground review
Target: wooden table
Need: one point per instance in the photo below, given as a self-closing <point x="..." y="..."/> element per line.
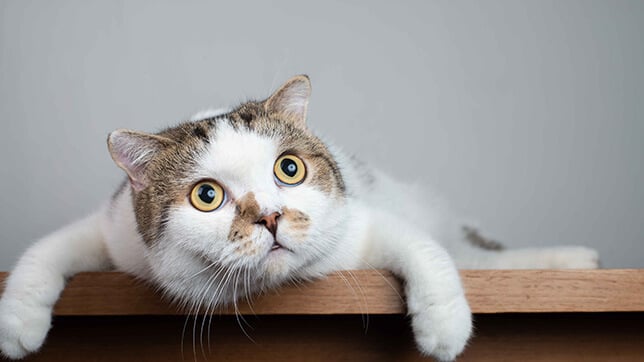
<point x="520" y="315"/>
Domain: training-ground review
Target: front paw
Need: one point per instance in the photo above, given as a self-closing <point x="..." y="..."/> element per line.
<point x="23" y="328"/>
<point x="442" y="330"/>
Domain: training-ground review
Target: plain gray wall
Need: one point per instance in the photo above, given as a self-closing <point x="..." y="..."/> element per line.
<point x="528" y="115"/>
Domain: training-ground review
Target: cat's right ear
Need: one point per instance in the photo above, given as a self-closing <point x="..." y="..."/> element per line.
<point x="132" y="151"/>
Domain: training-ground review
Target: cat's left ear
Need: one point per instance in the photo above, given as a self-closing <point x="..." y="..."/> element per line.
<point x="291" y="100"/>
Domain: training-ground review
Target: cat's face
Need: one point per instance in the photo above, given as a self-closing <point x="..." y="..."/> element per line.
<point x="237" y="202"/>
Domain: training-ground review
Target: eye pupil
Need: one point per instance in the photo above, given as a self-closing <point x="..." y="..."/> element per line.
<point x="289" y="167"/>
<point x="207" y="196"/>
<point x="289" y="170"/>
<point x="206" y="193"/>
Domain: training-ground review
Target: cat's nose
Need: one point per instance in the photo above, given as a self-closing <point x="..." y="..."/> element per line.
<point x="270" y="222"/>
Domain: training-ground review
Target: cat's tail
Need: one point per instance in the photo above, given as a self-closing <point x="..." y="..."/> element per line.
<point x="33" y="287"/>
<point x="485" y="253"/>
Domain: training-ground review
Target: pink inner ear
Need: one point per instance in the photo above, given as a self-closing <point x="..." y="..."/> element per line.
<point x="295" y="99"/>
<point x="292" y="99"/>
<point x="131" y="152"/>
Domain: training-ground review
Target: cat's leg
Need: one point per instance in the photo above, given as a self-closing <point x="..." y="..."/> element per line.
<point x="556" y="257"/>
<point x="33" y="287"/>
<point x="441" y="317"/>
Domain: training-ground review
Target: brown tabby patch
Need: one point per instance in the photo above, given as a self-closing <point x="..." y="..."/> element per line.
<point x="472" y="235"/>
<point x="247" y="213"/>
<point x="297" y="219"/>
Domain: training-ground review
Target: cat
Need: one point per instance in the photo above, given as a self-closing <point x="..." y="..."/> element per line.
<point x="252" y="191"/>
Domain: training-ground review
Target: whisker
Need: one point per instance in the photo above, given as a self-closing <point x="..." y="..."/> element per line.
<point x="211" y="282"/>
<point x="202" y="270"/>
<point x="372" y="268"/>
<point x="365" y="312"/>
<point x="238" y="315"/>
<point x="213" y="301"/>
<point x="190" y="311"/>
<point x="249" y="298"/>
<point x="340" y="273"/>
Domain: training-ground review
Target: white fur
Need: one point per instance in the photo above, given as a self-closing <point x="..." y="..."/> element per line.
<point x="381" y="224"/>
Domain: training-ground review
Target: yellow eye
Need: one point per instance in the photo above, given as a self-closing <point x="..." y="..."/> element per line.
<point x="207" y="196"/>
<point x="289" y="170"/>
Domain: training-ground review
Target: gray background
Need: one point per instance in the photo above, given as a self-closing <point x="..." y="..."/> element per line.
<point x="527" y="115"/>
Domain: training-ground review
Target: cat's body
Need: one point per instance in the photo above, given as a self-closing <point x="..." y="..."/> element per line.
<point x="242" y="201"/>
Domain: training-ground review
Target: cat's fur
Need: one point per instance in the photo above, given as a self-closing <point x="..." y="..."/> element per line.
<point x="344" y="215"/>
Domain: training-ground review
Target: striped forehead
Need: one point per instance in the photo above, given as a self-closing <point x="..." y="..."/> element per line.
<point x="239" y="158"/>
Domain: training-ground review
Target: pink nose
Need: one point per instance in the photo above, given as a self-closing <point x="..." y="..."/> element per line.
<point x="270" y="221"/>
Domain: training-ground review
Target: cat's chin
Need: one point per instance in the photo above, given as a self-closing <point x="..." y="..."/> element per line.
<point x="278" y="262"/>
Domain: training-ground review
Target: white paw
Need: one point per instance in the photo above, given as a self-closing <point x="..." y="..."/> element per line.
<point x="442" y="331"/>
<point x="23" y="328"/>
<point x="571" y="257"/>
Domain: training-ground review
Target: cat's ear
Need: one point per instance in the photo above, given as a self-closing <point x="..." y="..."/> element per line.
<point x="132" y="151"/>
<point x="291" y="100"/>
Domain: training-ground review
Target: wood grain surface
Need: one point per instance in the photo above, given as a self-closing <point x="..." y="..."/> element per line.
<point x="378" y="292"/>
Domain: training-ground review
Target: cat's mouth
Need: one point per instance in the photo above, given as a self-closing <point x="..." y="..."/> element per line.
<point x="277" y="246"/>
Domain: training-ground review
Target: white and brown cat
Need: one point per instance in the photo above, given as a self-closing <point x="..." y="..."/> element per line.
<point x="238" y="201"/>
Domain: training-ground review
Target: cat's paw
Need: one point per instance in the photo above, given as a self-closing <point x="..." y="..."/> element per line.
<point x="571" y="257"/>
<point x="23" y="328"/>
<point x="442" y="331"/>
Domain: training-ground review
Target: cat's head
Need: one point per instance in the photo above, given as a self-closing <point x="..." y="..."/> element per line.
<point x="237" y="202"/>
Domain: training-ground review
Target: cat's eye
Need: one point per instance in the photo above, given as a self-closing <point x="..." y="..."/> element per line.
<point x="289" y="170"/>
<point x="207" y="196"/>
